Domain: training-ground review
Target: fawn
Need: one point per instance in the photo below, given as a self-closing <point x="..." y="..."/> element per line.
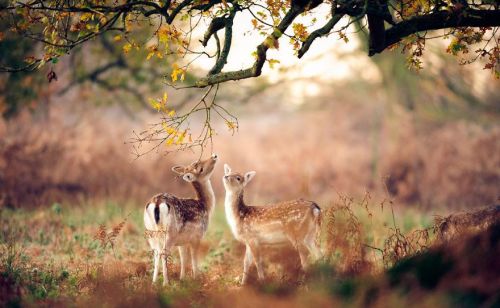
<point x="172" y="221"/>
<point x="297" y="222"/>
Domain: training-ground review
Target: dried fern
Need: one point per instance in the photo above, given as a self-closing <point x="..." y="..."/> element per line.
<point x="107" y="238"/>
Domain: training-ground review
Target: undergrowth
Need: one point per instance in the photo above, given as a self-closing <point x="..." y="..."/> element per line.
<point x="98" y="255"/>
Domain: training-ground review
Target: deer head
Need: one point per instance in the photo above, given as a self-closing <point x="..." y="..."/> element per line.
<point x="197" y="171"/>
<point x="235" y="182"/>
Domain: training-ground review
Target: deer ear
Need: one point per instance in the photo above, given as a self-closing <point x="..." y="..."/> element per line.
<point x="249" y="176"/>
<point x="178" y="169"/>
<point x="188" y="177"/>
<point x="227" y="169"/>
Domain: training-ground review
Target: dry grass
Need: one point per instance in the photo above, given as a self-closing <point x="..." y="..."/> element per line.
<point x="295" y="155"/>
<point x="63" y="256"/>
<point x="455" y="165"/>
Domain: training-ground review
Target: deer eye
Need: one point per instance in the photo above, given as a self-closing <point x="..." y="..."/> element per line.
<point x="238" y="178"/>
<point x="201" y="169"/>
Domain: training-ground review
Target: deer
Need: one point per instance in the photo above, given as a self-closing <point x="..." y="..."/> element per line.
<point x="297" y="222"/>
<point x="181" y="222"/>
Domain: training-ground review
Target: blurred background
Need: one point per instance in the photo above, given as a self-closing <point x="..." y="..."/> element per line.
<point x="335" y="122"/>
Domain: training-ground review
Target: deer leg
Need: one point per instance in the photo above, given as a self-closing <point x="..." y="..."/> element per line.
<point x="164" y="255"/>
<point x="312" y="244"/>
<point x="194" y="258"/>
<point x="313" y="248"/>
<point x="257" y="259"/>
<point x="247" y="263"/>
<point x="156" y="261"/>
<point x="303" y="255"/>
<point x="183" y="255"/>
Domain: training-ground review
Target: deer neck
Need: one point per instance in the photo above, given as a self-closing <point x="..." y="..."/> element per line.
<point x="205" y="194"/>
<point x="234" y="204"/>
<point x="235" y="210"/>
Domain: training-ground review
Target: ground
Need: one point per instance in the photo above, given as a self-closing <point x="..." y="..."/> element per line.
<point x="97" y="253"/>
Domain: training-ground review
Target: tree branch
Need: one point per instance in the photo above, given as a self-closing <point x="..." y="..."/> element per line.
<point x="177" y="9"/>
<point x="228" y="37"/>
<point x="436" y="21"/>
<point x="325" y="30"/>
<point x="206" y="6"/>
<point x="256" y="69"/>
<point x="216" y="24"/>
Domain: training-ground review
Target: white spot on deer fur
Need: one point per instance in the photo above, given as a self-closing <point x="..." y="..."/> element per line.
<point x="316" y="211"/>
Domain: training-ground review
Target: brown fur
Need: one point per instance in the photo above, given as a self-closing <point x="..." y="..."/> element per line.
<point x="186" y="210"/>
<point x="459" y="224"/>
<point x="171" y="221"/>
<point x="297" y="222"/>
<point x="284" y="212"/>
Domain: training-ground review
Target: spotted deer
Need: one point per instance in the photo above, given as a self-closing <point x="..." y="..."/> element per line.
<point x="171" y="221"/>
<point x="297" y="222"/>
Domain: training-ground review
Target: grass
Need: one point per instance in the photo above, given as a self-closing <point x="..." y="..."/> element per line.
<point x="51" y="256"/>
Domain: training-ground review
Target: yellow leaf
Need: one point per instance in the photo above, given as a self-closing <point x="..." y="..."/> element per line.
<point x="86" y="16"/>
<point x="181" y="137"/>
<point x="164" y="34"/>
<point x="155" y="104"/>
<point x="300" y="31"/>
<point x="117" y="38"/>
<point x="271" y="42"/>
<point x="175" y="73"/>
<point x="127" y="47"/>
<point x="272" y="62"/>
<point x="169" y="130"/>
<point x="231" y="125"/>
<point x="171" y="113"/>
<point x="254" y="23"/>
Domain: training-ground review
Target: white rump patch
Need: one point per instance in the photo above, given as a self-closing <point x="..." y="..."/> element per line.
<point x="149" y="217"/>
<point x="164" y="217"/>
